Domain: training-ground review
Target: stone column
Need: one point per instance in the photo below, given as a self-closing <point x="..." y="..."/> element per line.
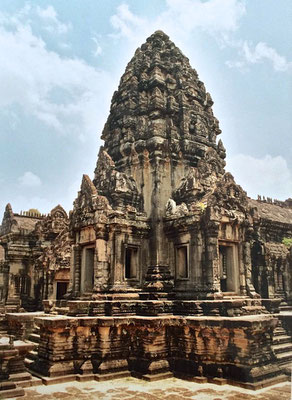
<point x="100" y="266"/>
<point x="250" y="290"/>
<point x="117" y="267"/>
<point x="76" y="273"/>
<point x="149" y="356"/>
<point x="211" y="275"/>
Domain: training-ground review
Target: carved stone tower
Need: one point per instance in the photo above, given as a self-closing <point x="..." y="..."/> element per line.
<point x="148" y="221"/>
<point x="162" y="240"/>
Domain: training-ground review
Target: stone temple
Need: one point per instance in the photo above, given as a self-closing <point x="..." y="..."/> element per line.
<point x="174" y="270"/>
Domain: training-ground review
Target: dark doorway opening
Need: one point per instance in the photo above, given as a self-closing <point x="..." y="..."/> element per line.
<point x="223" y="259"/>
<point x="131" y="262"/>
<point x="89" y="270"/>
<point x="61" y="289"/>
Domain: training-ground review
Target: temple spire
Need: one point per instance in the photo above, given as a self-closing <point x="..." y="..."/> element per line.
<point x="161" y="106"/>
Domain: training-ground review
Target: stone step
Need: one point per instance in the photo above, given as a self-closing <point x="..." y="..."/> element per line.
<point x="32" y="355"/>
<point x="34" y="337"/>
<point x="284" y="357"/>
<point x="285" y="308"/>
<point x="286" y="367"/>
<point x="12" y="393"/>
<point x="232" y="296"/>
<point x="282" y="348"/>
<point x="62" y="310"/>
<point x="279" y="339"/>
<point x="28" y="362"/>
<point x="279" y="331"/>
<point x="152" y="377"/>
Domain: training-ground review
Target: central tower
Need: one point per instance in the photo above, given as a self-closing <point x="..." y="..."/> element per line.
<point x="162" y="237"/>
<point x="160" y="126"/>
<point x="149" y="220"/>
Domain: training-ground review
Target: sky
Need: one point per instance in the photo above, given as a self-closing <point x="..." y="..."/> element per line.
<point x="61" y="61"/>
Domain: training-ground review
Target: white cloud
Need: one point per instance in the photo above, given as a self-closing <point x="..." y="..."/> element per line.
<point x="219" y="18"/>
<point x="267" y="176"/>
<point x="29" y="179"/>
<point x="213" y="16"/>
<point x="261" y="52"/>
<point x="50" y="17"/>
<point x="48" y="12"/>
<point x="125" y="22"/>
<point x="181" y="18"/>
<point x="98" y="49"/>
<point x="31" y="75"/>
<point x="44" y="18"/>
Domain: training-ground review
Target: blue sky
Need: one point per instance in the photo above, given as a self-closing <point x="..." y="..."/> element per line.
<point x="60" y="62"/>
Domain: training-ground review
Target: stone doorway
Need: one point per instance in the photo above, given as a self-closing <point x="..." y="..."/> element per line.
<point x="87" y="270"/>
<point x="61" y="290"/>
<point x="228" y="268"/>
<point x="131" y="262"/>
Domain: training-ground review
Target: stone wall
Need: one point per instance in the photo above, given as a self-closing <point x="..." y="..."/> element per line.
<point x="239" y="347"/>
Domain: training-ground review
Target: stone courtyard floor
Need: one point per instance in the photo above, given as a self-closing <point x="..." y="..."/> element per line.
<point x="168" y="389"/>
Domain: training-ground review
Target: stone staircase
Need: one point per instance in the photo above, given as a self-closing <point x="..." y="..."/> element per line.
<point x="282" y="346"/>
<point x="32" y="355"/>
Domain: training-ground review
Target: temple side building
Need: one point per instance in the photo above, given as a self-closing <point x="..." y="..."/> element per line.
<point x="29" y="245"/>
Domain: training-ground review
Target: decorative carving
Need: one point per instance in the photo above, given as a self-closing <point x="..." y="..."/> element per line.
<point x="171" y="209"/>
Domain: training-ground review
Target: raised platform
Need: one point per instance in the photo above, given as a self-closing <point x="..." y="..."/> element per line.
<point x="233" y="349"/>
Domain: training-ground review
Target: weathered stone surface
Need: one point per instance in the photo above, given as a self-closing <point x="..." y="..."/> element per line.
<point x="169" y="257"/>
<point x="239" y="346"/>
<point x="36" y="257"/>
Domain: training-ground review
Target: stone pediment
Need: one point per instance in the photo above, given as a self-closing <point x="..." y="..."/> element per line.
<point x="228" y="198"/>
<point x="201" y="181"/>
<point x="119" y="188"/>
<point x="57" y="256"/>
<point x="88" y="204"/>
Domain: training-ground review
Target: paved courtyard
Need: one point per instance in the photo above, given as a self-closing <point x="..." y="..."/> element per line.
<point x="169" y="389"/>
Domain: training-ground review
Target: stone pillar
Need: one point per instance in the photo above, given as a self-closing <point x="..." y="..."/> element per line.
<point x="149" y="357"/>
<point x="250" y="290"/>
<point x="112" y="350"/>
<point x="76" y="273"/>
<point x="57" y="349"/>
<point x="101" y="271"/>
<point x="118" y="262"/>
<point x="211" y="275"/>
